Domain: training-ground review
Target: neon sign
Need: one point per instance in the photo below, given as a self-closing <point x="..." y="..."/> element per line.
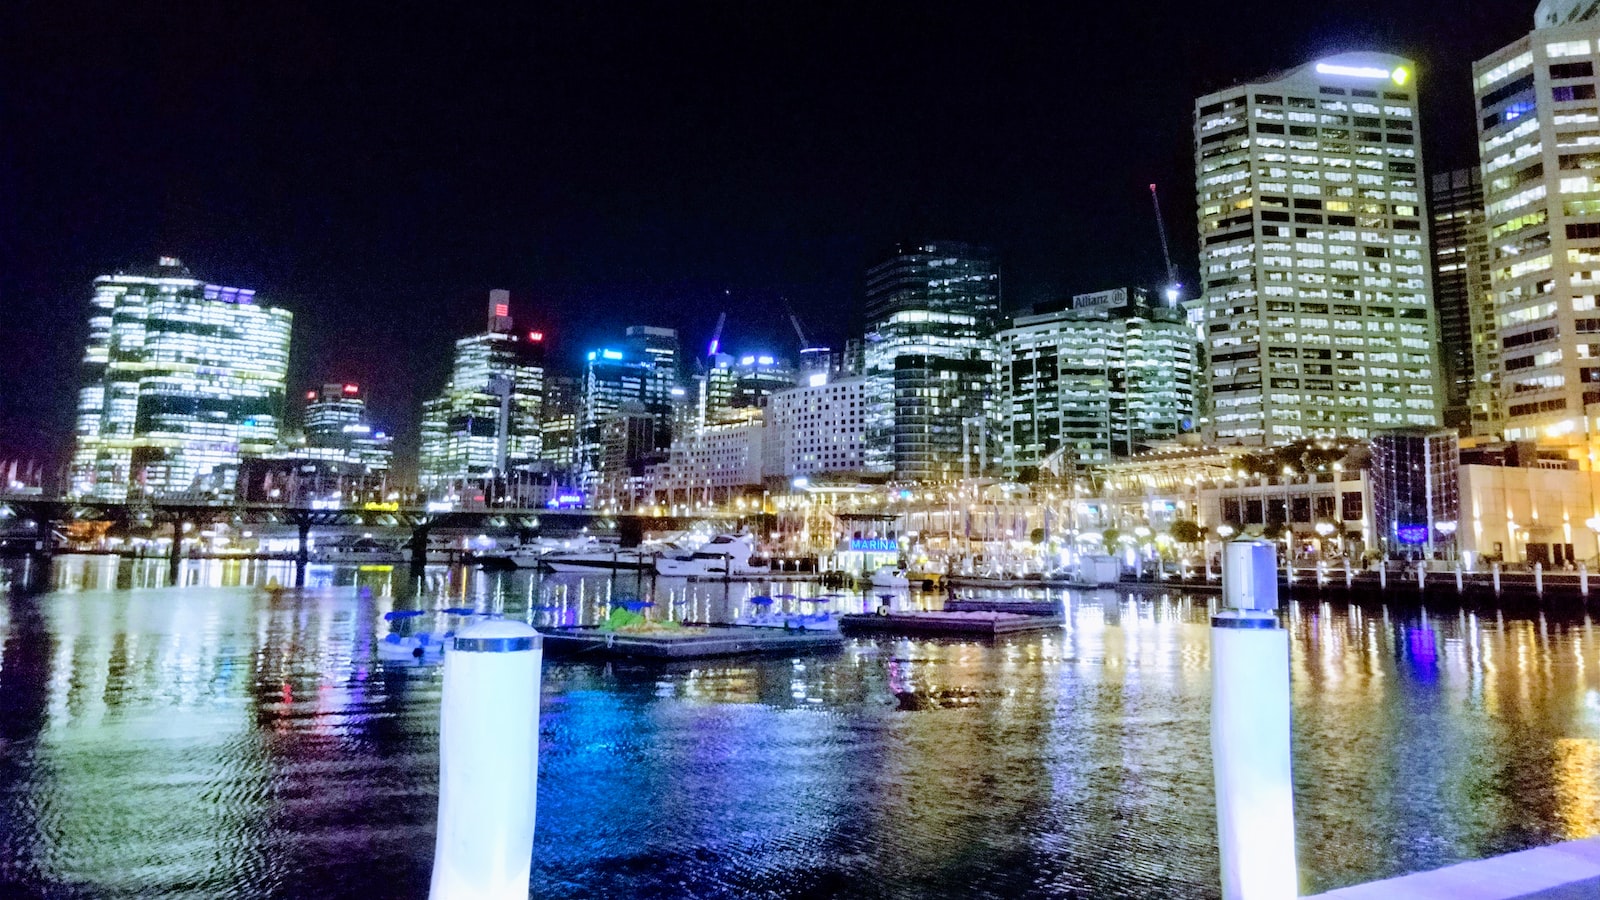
<point x="874" y="545"/>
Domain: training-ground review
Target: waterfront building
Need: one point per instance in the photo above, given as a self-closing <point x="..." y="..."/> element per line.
<point x="1415" y="477"/>
<point x="1528" y="514"/>
<point x="931" y="314"/>
<point x="710" y="467"/>
<point x="734" y="388"/>
<point x="488" y="419"/>
<point x="821" y="428"/>
<point x="1539" y="139"/>
<point x="1103" y="375"/>
<point x="1314" y="254"/>
<point x="1469" y="345"/>
<point x="182" y="379"/>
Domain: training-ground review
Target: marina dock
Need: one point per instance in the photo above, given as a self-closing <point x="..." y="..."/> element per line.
<point x="693" y="643"/>
<point x="953" y="624"/>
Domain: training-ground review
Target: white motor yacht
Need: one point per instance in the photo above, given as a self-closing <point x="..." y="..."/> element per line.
<point x="725" y="555"/>
<point x="599" y="557"/>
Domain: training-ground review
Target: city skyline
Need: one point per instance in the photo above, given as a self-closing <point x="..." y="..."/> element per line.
<point x="732" y="220"/>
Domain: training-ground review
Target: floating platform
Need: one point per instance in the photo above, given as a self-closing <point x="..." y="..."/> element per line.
<point x="955" y="624"/>
<point x="1019" y="607"/>
<point x="698" y="642"/>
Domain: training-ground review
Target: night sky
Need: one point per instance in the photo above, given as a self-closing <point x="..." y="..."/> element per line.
<point x="377" y="170"/>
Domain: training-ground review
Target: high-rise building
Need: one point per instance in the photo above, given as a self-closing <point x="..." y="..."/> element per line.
<point x="336" y="419"/>
<point x="1101" y="377"/>
<point x="1469" y="346"/>
<point x="1539" y="138"/>
<point x="931" y="313"/>
<point x="488" y="420"/>
<point x="1314" y="254"/>
<point x="622" y="381"/>
<point x="819" y="427"/>
<point x="563" y="401"/>
<point x="181" y="379"/>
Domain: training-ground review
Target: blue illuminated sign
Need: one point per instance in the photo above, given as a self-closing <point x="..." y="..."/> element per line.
<point x="874" y="545"/>
<point x="1412" y="534"/>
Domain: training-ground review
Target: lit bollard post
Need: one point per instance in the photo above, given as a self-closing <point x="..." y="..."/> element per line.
<point x="1383" y="574"/>
<point x="1538" y="578"/>
<point x="1349" y="576"/>
<point x="1460" y="586"/>
<point x="1583" y="579"/>
<point x="1496" y="570"/>
<point x="1422" y="577"/>
<point x="1250" y="730"/>
<point x="1322" y="573"/>
<point x="488" y="763"/>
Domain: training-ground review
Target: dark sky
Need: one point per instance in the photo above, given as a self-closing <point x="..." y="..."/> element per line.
<point x="378" y="169"/>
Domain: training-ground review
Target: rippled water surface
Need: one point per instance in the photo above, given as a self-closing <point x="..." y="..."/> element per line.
<point x="211" y="741"/>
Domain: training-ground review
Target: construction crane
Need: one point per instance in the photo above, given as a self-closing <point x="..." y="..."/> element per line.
<point x="795" y="321"/>
<point x="716" y="334"/>
<point x="1174" y="289"/>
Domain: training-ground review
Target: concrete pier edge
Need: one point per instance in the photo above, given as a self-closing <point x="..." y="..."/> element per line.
<point x="1565" y="871"/>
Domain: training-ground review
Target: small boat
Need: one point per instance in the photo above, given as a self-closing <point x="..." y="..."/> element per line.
<point x="891" y="576"/>
<point x="424" y="647"/>
<point x="353" y="550"/>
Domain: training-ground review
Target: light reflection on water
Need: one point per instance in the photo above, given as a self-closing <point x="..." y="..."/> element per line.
<point x="213" y="741"/>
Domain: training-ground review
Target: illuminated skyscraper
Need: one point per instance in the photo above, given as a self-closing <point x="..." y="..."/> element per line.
<point x="336" y="419"/>
<point x="182" y="378"/>
<point x="1539" y="139"/>
<point x="488" y="419"/>
<point x="1314" y="254"/>
<point x="1099" y="378"/>
<point x="931" y="313"/>
<point x="1469" y="344"/>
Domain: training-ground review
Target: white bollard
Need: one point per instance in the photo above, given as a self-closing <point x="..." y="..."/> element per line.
<point x="1322" y="573"/>
<point x="1422" y="577"/>
<point x="1349" y="577"/>
<point x="1538" y="578"/>
<point x="488" y="763"/>
<point x="1250" y="731"/>
<point x="1460" y="587"/>
<point x="1583" y="579"/>
<point x="1496" y="570"/>
<point x="1383" y="574"/>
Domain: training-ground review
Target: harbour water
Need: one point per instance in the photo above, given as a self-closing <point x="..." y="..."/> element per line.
<point x="215" y="741"/>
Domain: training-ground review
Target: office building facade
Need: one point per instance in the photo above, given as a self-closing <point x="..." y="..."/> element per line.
<point x="931" y="313"/>
<point x="1099" y="378"/>
<point x="488" y="420"/>
<point x="1539" y="138"/>
<point x="1314" y="254"/>
<point x="182" y="379"/>
<point x="1469" y="346"/>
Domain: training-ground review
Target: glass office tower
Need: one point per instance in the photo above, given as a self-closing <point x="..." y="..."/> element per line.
<point x="931" y="313"/>
<point x="1314" y="254"/>
<point x="181" y="379"/>
<point x="488" y="418"/>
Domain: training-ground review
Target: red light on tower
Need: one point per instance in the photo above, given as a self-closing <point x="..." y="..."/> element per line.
<point x="502" y="309"/>
<point x="352" y="389"/>
<point x="536" y="336"/>
<point x="311" y="395"/>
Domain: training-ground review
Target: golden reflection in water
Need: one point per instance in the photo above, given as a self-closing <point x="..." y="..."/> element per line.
<point x="1577" y="786"/>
